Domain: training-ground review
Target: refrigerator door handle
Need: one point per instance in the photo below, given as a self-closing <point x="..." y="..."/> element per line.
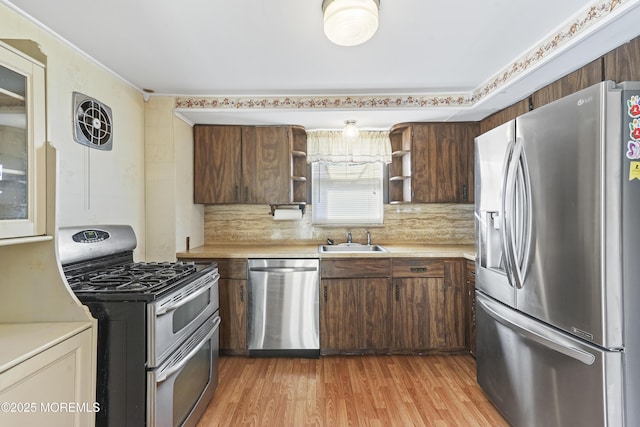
<point x="517" y="219"/>
<point x="525" y="215"/>
<point x="536" y="333"/>
<point x="506" y="199"/>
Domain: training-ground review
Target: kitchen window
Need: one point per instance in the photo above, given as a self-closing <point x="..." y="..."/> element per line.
<point x="347" y="184"/>
<point x="347" y="193"/>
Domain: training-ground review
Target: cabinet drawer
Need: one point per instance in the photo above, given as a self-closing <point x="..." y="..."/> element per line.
<point x="418" y="267"/>
<point x="231" y="268"/>
<point x="355" y="268"/>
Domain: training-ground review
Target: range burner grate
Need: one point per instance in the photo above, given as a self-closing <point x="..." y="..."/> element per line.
<point x="131" y="277"/>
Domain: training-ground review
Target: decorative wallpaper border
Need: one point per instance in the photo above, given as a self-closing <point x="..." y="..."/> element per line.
<point x="594" y="14"/>
<point x="327" y="101"/>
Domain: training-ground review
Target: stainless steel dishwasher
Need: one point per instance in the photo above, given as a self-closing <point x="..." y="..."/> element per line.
<point x="283" y="312"/>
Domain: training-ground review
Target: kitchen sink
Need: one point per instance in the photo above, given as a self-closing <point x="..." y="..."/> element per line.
<point x="350" y="247"/>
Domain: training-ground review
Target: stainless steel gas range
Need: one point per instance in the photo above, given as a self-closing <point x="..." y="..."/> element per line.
<point x="157" y="328"/>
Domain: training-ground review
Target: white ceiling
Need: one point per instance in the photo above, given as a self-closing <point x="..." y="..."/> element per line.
<point x="259" y="49"/>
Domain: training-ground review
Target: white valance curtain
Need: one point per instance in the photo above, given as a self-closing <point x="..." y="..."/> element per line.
<point x="371" y="146"/>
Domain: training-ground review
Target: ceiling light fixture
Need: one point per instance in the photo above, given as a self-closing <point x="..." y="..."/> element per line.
<point x="350" y="131"/>
<point x="350" y="22"/>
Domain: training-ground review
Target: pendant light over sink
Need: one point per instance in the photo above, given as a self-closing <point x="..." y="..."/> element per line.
<point x="350" y="22"/>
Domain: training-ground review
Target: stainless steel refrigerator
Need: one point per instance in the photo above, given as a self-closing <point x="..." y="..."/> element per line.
<point x="558" y="261"/>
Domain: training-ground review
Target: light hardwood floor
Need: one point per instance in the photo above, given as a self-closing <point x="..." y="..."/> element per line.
<point x="434" y="390"/>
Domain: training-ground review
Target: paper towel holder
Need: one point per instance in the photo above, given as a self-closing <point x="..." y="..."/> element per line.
<point x="302" y="206"/>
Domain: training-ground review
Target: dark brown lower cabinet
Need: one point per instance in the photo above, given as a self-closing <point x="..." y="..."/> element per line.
<point x="471" y="306"/>
<point x="354" y="315"/>
<point x="375" y="312"/>
<point x="411" y="305"/>
<point x="455" y="313"/>
<point x="417" y="314"/>
<point x="233" y="312"/>
<point x="428" y="305"/>
<point x="233" y="305"/>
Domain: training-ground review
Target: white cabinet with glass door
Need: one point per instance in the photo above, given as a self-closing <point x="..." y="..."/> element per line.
<point x="22" y="145"/>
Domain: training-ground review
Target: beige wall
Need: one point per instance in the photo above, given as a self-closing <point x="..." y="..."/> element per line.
<point x="189" y="217"/>
<point x="171" y="214"/>
<point x="94" y="186"/>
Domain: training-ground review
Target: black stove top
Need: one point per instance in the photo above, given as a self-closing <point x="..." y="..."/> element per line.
<point x="99" y="266"/>
<point x="132" y="277"/>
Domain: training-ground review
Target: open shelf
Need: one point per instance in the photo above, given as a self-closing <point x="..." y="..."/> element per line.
<point x="400" y="166"/>
<point x="298" y="153"/>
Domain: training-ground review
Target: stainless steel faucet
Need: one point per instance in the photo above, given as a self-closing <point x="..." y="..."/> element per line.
<point x="368" y="238"/>
<point x="349" y="238"/>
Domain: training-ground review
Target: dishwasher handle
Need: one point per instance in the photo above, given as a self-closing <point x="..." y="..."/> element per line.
<point x="283" y="269"/>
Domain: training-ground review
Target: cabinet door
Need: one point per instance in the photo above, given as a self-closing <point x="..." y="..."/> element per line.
<point x="354" y="315"/>
<point x="217" y="170"/>
<point x="373" y="310"/>
<point x="454" y="306"/>
<point x="35" y="391"/>
<point x="266" y="164"/>
<point x="417" y="313"/>
<point x="22" y="147"/>
<point x="471" y="306"/>
<point x="442" y="162"/>
<point x="233" y="327"/>
<point x="339" y="315"/>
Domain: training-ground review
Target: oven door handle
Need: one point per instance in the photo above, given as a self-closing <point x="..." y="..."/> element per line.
<point x="179" y="303"/>
<point x="166" y="374"/>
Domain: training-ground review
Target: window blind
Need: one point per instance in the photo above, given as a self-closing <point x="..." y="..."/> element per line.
<point x="347" y="193"/>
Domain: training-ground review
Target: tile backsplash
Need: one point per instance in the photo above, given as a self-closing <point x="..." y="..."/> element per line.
<point x="419" y="223"/>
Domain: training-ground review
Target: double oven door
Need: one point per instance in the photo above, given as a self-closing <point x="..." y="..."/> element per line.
<point x="182" y="352"/>
<point x="179" y="390"/>
<point x="175" y="317"/>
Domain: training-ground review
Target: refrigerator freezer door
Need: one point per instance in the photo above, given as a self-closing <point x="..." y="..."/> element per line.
<point x="539" y="376"/>
<point x="491" y="153"/>
<point x="573" y="169"/>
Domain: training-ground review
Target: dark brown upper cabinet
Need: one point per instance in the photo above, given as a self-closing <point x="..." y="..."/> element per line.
<point x="241" y="164"/>
<point x="432" y="163"/>
<point x="442" y="164"/>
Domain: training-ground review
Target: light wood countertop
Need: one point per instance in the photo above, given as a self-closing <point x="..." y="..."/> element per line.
<point x="310" y="250"/>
